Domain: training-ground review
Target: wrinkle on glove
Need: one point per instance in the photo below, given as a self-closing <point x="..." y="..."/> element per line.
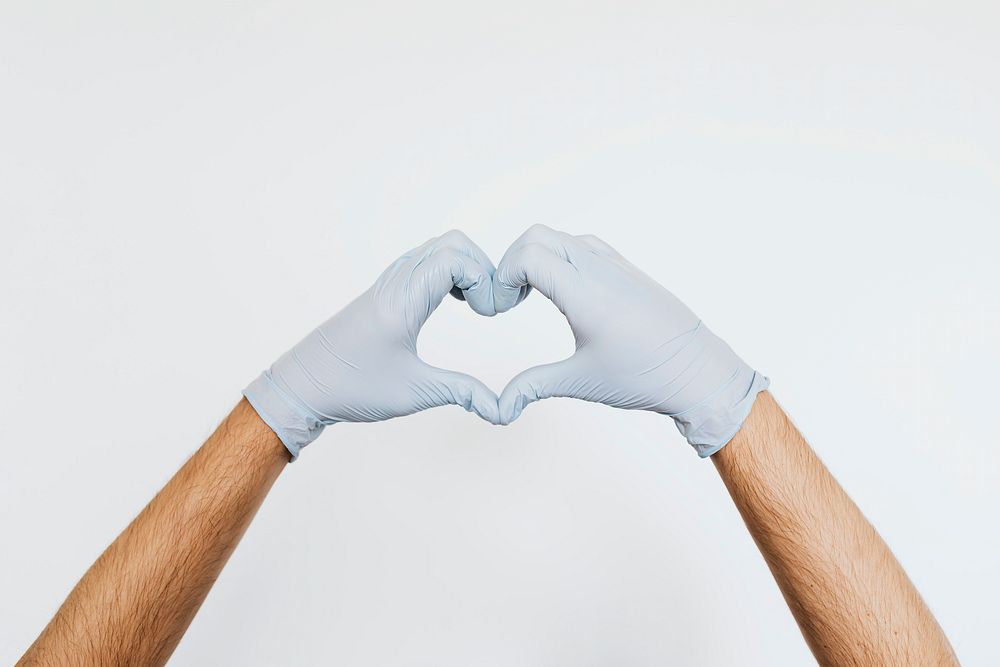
<point x="637" y="346"/>
<point x="361" y="365"/>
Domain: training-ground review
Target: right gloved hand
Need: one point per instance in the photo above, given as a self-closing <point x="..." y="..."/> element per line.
<point x="637" y="346"/>
<point x="361" y="365"/>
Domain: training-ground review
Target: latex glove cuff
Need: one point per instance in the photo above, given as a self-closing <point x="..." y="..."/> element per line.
<point x="294" y="425"/>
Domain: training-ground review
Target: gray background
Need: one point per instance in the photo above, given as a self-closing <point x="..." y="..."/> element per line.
<point x="187" y="188"/>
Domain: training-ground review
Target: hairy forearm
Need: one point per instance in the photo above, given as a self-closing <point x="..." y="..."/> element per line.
<point x="849" y="595"/>
<point x="136" y="601"/>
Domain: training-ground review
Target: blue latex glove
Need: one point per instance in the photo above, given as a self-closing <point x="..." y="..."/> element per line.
<point x="637" y="346"/>
<point x="361" y="365"/>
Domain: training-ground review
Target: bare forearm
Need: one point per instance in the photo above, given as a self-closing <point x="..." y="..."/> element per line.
<point x="136" y="601"/>
<point x="849" y="595"/>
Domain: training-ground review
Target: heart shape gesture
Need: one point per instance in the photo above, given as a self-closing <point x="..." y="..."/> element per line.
<point x="638" y="347"/>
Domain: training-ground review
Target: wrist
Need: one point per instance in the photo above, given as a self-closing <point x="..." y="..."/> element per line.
<point x="719" y="396"/>
<point x="295" y="426"/>
<point x="712" y="425"/>
<point x="258" y="439"/>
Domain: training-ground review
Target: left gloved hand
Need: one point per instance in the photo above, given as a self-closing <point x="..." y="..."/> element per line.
<point x="361" y="365"/>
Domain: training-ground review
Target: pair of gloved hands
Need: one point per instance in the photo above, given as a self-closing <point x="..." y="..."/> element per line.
<point x="637" y="346"/>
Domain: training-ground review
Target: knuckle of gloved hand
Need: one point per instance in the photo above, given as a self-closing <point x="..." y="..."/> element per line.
<point x="447" y="259"/>
<point x="533" y="254"/>
<point x="537" y="232"/>
<point x="456" y="236"/>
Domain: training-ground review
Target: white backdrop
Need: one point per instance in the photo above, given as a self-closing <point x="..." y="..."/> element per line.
<point x="187" y="188"/>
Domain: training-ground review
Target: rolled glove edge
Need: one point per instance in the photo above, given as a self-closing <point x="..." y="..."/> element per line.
<point x="293" y="426"/>
<point x="710" y="427"/>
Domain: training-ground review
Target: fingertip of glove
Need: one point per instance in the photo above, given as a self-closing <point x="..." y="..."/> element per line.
<point x="486" y="410"/>
<point x="510" y="406"/>
<point x="480" y="298"/>
<point x="505" y="298"/>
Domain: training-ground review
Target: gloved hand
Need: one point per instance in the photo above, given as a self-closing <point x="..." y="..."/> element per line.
<point x="361" y="365"/>
<point x="637" y="346"/>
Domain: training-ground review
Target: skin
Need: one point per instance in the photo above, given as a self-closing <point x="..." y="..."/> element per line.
<point x="134" y="604"/>
<point x="849" y="595"/>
